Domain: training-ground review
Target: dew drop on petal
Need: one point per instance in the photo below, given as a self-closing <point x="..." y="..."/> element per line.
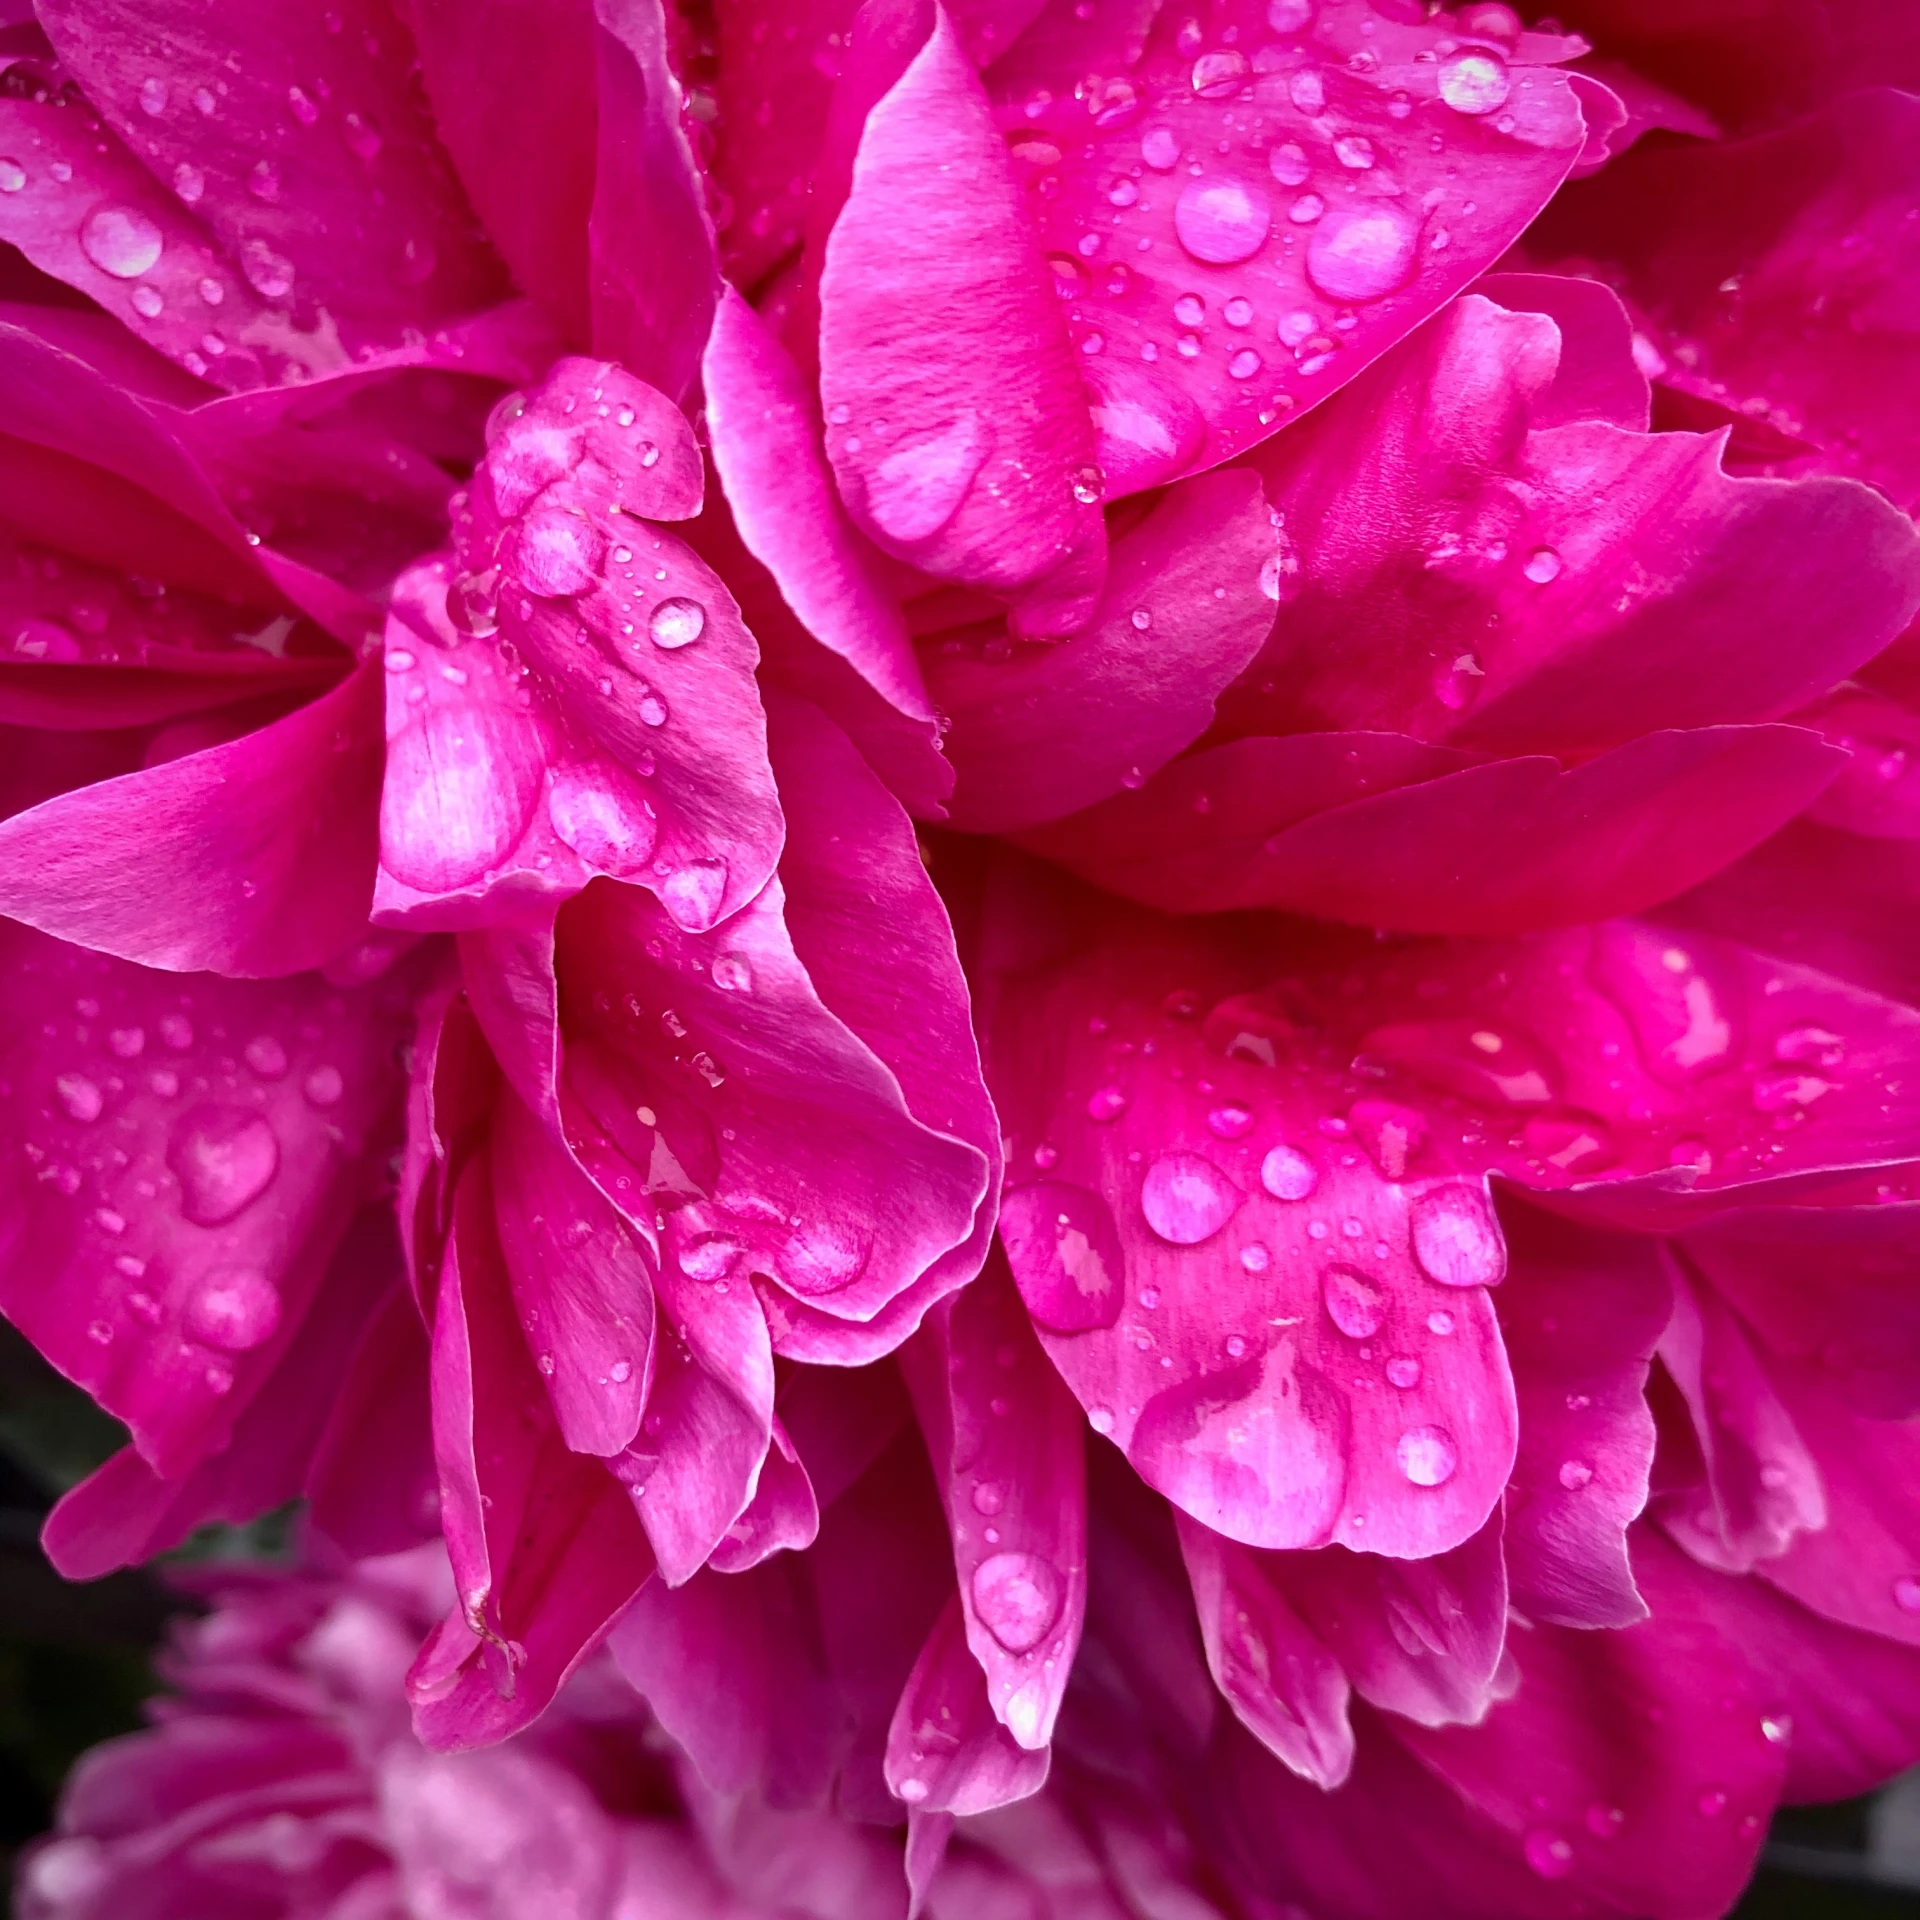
<point x="1288" y="1174"/>
<point x="1455" y="1237"/>
<point x="733" y="973"/>
<point x="1160" y="148"/>
<point x="269" y="274"/>
<point x="13" y="176"/>
<point x="266" y="1056"/>
<point x="1427" y="1456"/>
<point x="1575" y="1474"/>
<point x="1255" y="1257"/>
<point x="1403" y="1371"/>
<point x="233" y="1308"/>
<point x="80" y="1097"/>
<point x="147" y="302"/>
<point x="1289" y="16"/>
<point x="1440" y="1321"/>
<point x="189" y="182"/>
<point x="1187" y="1199"/>
<point x="1017" y="1597"/>
<point x="224" y="1158"/>
<point x="121" y="241"/>
<point x="677" y="623"/>
<point x="1229" y="1121"/>
<point x="1288" y="164"/>
<point x="1354" y="1303"/>
<point x="710" y="1257"/>
<point x="324" y="1086"/>
<point x="1906" y="1593"/>
<point x="1307" y="90"/>
<point x="821" y="1257"/>
<point x="606" y="826"/>
<point x="1218" y="76"/>
<point x="693" y="893"/>
<point x="1549" y="1854"/>
<point x="1106" y="1103"/>
<point x="1064" y="1249"/>
<point x="1542" y="565"/>
<point x="1364" y="253"/>
<point x="1221" y="221"/>
<point x="1475" y="81"/>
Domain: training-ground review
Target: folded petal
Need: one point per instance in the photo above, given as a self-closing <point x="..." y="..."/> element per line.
<point x="975" y="460"/>
<point x="1187" y="603"/>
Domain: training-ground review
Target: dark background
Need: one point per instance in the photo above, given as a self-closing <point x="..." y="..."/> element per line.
<point x="75" y="1667"/>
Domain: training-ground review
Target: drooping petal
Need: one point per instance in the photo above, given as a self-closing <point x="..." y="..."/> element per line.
<point x="973" y="461"/>
<point x="1187" y="603"/>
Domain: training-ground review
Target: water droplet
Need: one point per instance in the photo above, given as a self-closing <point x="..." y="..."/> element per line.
<point x="1712" y="1804"/>
<point x="1306" y="210"/>
<point x="1160" y="149"/>
<point x="917" y="488"/>
<point x="233" y="1308"/>
<point x="653" y="710"/>
<point x="1064" y="1249"/>
<point x="1222" y="221"/>
<point x="1906" y="1593"/>
<point x="1244" y="364"/>
<point x="13" y="176"/>
<point x="224" y="1159"/>
<point x="821" y="1257"/>
<point x="1229" y="1121"/>
<point x="1777" y="1729"/>
<point x="1288" y="1174"/>
<point x="1289" y="16"/>
<point x="1017" y="1596"/>
<point x="620" y="1372"/>
<point x="1187" y="1199"/>
<point x="558" y="554"/>
<point x="693" y="893"/>
<point x="677" y="623"/>
<point x="472" y="603"/>
<point x="189" y="182"/>
<point x="1403" y="1370"/>
<point x="147" y="302"/>
<point x="1255" y="1257"/>
<point x="1364" y="253"/>
<point x="266" y="1056"/>
<point x="607" y="825"/>
<point x="1101" y="1419"/>
<point x="1140" y="619"/>
<point x="1549" y="1854"/>
<point x="1605" y="1822"/>
<point x="1354" y="1303"/>
<point x="127" y="1043"/>
<point x="363" y="138"/>
<point x="710" y="1257"/>
<point x="1354" y="150"/>
<point x="1288" y="164"/>
<point x="732" y="973"/>
<point x="263" y="181"/>
<point x="1238" y="312"/>
<point x="153" y="95"/>
<point x="1575" y="1474"/>
<point x="269" y="274"/>
<point x="301" y="105"/>
<point x="1089" y="483"/>
<point x="1106" y="1103"/>
<point x="1217" y="76"/>
<point x="1190" y="310"/>
<point x="1455" y="1237"/>
<point x="1474" y="81"/>
<point x="988" y="1498"/>
<point x="1788" y="1092"/>
<point x="912" y="1791"/>
<point x="1543" y="564"/>
<point x="80" y="1097"/>
<point x="121" y="241"/>
<point x="1307" y="90"/>
<point x="1427" y="1456"/>
<point x="1440" y="1321"/>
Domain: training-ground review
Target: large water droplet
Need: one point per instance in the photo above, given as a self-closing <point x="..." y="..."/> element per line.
<point x="1307" y="90"/>
<point x="1288" y="164"/>
<point x="677" y="623"/>
<point x="1187" y="1199"/>
<point x="1159" y="148"/>
<point x="80" y="1097"/>
<point x="1549" y="1854"/>
<point x="1354" y="1303"/>
<point x="1289" y="16"/>
<point x="1222" y="221"/>
<point x="1288" y="1174"/>
<point x="1219" y="75"/>
<point x="710" y="1257"/>
<point x="269" y="274"/>
<point x="608" y="826"/>
<point x="1474" y="81"/>
<point x="1403" y="1371"/>
<point x="1364" y="253"/>
<point x="1017" y="1596"/>
<point x="1106" y="1103"/>
<point x="224" y="1159"/>
<point x="559" y="553"/>
<point x="1455" y="1237"/>
<point x="733" y="973"/>
<point x="917" y="488"/>
<point x="233" y="1308"/>
<point x="821" y="1257"/>
<point x="1427" y="1456"/>
<point x="693" y="893"/>
<point x="121" y="241"/>
<point x="13" y="176"/>
<point x="1065" y="1253"/>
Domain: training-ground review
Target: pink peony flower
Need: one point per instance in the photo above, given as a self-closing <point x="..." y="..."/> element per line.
<point x="1029" y="879"/>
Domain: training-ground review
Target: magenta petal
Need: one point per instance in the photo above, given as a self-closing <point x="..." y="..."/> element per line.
<point x="509" y="81"/>
<point x="313" y="163"/>
<point x="249" y="858"/>
<point x="946" y="1752"/>
<point x="1220" y="290"/>
<point x="191" y="1151"/>
<point x="1265" y="1291"/>
<point x="764" y="432"/>
<point x="1286" y="1688"/>
<point x="1582" y="1312"/>
<point x="971" y="461"/>
<point x="582" y="1285"/>
<point x="1007" y="1441"/>
<point x="782" y="1516"/>
<point x="1187" y="604"/>
<point x="654" y="271"/>
<point x="1380" y="830"/>
<point x="1597" y="377"/>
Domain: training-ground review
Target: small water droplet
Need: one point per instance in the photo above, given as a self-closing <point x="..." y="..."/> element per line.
<point x="1288" y="164"/>
<point x="1244" y="364"/>
<point x="1100" y="1419"/>
<point x="912" y="1791"/>
<point x="233" y="1308"/>
<point x="1403" y="1371"/>
<point x="1575" y="1474"/>
<point x="263" y="180"/>
<point x="710" y="1257"/>
<point x="189" y="183"/>
<point x="1549" y="1854"/>
<point x="693" y="894"/>
<point x="147" y="301"/>
<point x="1354" y="1303"/>
<point x="1427" y="1456"/>
<point x="80" y="1096"/>
<point x="1288" y="1174"/>
<point x="677" y="623"/>
<point x="1307" y="90"/>
<point x="121" y="241"/>
<point x="1455" y="1238"/>
<point x="266" y="1056"/>
<point x="269" y="274"/>
<point x="1354" y="150"/>
<point x="1364" y="253"/>
<point x="323" y="1086"/>
<point x="1017" y="1597"/>
<point x="620" y="1372"/>
<point x="1906" y="1593"/>
<point x="13" y="176"/>
<point x="1289" y="16"/>
<point x="224" y="1158"/>
<point x="1712" y="1804"/>
<point x="1777" y="1729"/>
<point x="1229" y="1121"/>
<point x="1474" y="81"/>
<point x="153" y="95"/>
<point x="1222" y="221"/>
<point x="1306" y="210"/>
<point x="1160" y="148"/>
<point x="1440" y="1321"/>
<point x="821" y="1257"/>
<point x="300" y="104"/>
<point x="732" y="973"/>
<point x="1187" y="1199"/>
<point x="1219" y="75"/>
<point x="1543" y="564"/>
<point x="1255" y="1257"/>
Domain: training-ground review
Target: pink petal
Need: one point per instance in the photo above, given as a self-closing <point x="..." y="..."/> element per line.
<point x="315" y="166"/>
<point x="191" y="1151"/>
<point x="973" y="462"/>
<point x="654" y="271"/>
<point x="252" y="857"/>
<point x="509" y="83"/>
<point x="1597" y="377"/>
<point x="1381" y="830"/>
<point x="1007" y="1445"/>
<point x="1285" y="1687"/>
<point x="1230" y="1285"/>
<point x="1581" y="1314"/>
<point x="1217" y="290"/>
<point x="1427" y="502"/>
<point x="1187" y="604"/>
<point x="764" y="432"/>
<point x="783" y="1514"/>
<point x="946" y="1753"/>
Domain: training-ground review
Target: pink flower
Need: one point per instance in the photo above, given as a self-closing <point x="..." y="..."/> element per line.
<point x="664" y="665"/>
